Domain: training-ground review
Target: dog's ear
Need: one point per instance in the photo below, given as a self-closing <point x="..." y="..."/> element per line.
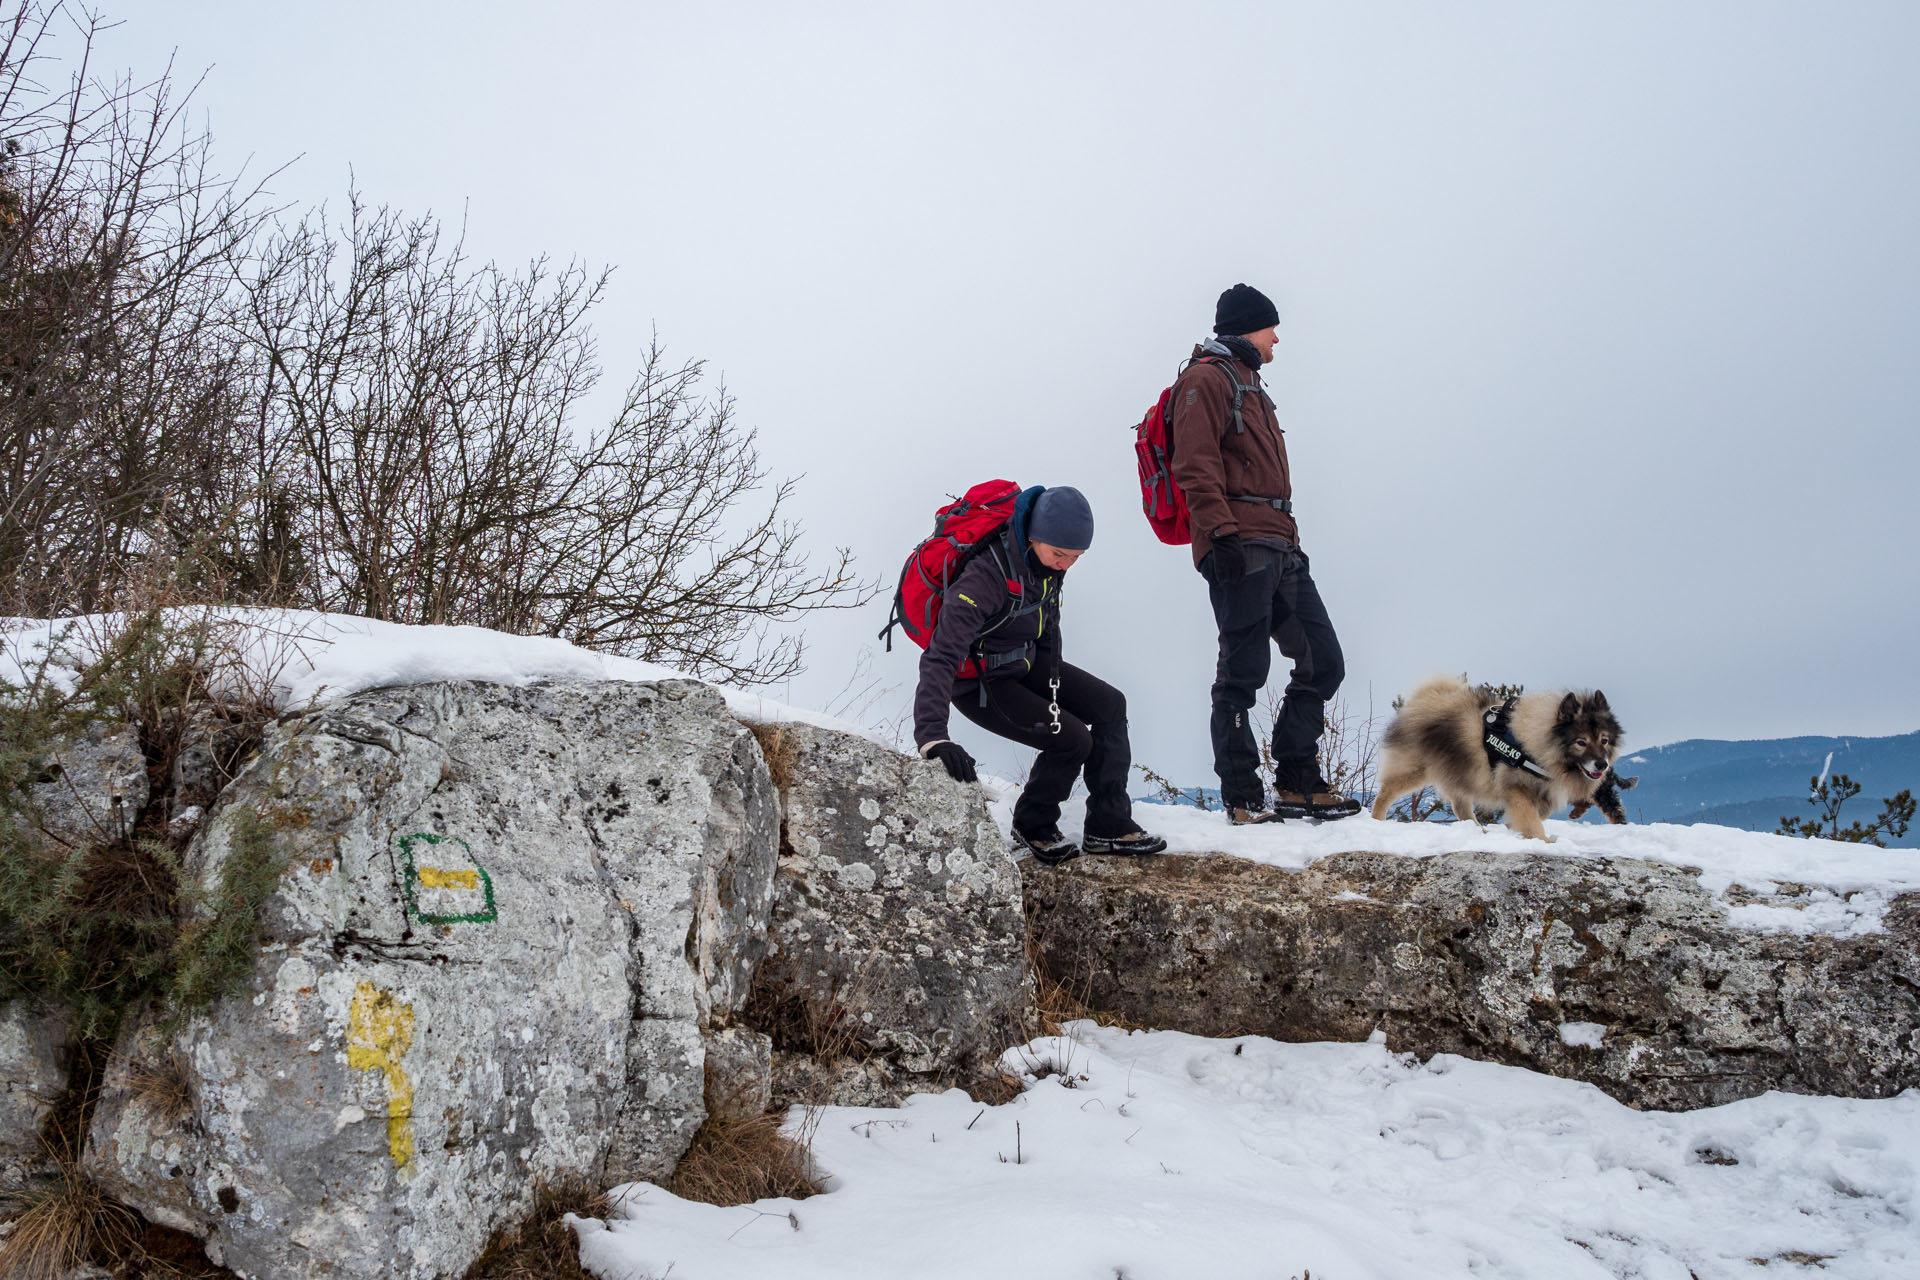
<point x="1569" y="708"/>
<point x="1598" y="702"/>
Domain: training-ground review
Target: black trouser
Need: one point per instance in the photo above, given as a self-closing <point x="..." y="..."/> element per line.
<point x="1276" y="601"/>
<point x="1093" y="734"/>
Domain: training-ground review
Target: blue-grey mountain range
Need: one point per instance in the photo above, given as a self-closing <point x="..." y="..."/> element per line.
<point x="1754" y="784"/>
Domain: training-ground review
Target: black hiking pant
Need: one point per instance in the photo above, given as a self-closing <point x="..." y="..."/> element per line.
<point x="1093" y="737"/>
<point x="1276" y="602"/>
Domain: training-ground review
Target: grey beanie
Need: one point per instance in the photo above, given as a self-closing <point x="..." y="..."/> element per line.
<point x="1062" y="518"/>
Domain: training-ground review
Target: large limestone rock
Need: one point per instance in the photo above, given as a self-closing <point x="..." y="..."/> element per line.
<point x="32" y="1078"/>
<point x="1620" y="972"/>
<point x="897" y="931"/>
<point x="506" y="921"/>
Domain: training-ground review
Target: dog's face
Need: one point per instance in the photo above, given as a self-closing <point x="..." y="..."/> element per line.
<point x="1587" y="734"/>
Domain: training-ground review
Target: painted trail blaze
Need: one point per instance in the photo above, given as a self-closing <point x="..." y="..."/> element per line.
<point x="379" y="1033"/>
<point x="445" y="883"/>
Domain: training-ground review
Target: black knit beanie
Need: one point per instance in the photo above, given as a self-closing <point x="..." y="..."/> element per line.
<point x="1244" y="309"/>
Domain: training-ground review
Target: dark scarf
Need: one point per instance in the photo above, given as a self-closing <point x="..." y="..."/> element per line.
<point x="1242" y="350"/>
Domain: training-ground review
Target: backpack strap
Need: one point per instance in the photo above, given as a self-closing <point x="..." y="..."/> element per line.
<point x="1018" y="606"/>
<point x="1225" y="365"/>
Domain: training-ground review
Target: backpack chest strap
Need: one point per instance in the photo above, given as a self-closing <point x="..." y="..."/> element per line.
<point x="1240" y="390"/>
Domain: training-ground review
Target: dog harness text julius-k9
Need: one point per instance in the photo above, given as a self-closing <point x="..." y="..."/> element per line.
<point x="1501" y="746"/>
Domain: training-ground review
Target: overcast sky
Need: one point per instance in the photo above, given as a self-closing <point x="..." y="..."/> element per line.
<point x="1600" y="344"/>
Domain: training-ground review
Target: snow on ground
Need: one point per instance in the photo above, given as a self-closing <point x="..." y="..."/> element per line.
<point x="305" y="659"/>
<point x="1164" y="1156"/>
<point x="1813" y="886"/>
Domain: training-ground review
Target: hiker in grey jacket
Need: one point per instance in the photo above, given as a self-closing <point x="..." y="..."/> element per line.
<point x="995" y="656"/>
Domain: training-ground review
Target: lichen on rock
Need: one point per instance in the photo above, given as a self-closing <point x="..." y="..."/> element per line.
<point x="1491" y="956"/>
<point x="508" y="918"/>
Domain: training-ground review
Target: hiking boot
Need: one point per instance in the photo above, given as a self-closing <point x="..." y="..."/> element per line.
<point x="1048" y="846"/>
<point x="1133" y="842"/>
<point x="1249" y="817"/>
<point x="1300" y="792"/>
<point x="1323" y="806"/>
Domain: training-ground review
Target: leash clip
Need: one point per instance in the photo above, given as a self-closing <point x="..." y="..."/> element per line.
<point x="1053" y="707"/>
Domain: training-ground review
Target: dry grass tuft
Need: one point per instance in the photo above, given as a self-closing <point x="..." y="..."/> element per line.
<point x="543" y="1247"/>
<point x="825" y="1030"/>
<point x="777" y="745"/>
<point x="740" y="1161"/>
<point x="1060" y="999"/>
<point x="67" y="1223"/>
<point x="163" y="1086"/>
<point x="993" y="1090"/>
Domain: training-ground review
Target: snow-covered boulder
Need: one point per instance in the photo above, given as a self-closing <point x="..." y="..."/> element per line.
<point x="507" y="918"/>
<point x="897" y="931"/>
<point x="32" y="1078"/>
<point x="1626" y="973"/>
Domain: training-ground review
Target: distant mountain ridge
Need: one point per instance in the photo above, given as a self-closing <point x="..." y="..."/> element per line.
<point x="1754" y="784"/>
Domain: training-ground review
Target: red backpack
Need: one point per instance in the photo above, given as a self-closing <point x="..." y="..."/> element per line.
<point x="1160" y="495"/>
<point x="961" y="530"/>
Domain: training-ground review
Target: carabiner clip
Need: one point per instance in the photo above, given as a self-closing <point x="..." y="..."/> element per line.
<point x="1053" y="707"/>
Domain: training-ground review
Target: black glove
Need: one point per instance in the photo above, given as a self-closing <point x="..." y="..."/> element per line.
<point x="954" y="756"/>
<point x="1229" y="559"/>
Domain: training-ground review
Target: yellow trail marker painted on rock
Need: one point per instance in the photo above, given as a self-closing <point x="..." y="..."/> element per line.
<point x="444" y="878"/>
<point x="379" y="1033"/>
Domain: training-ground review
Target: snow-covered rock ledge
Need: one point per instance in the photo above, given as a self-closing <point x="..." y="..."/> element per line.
<point x="1629" y="973"/>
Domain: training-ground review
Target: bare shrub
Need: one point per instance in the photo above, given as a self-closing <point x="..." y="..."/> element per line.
<point x="421" y="415"/>
<point x="1170" y="792"/>
<point x="117" y="367"/>
<point x="1349" y="745"/>
<point x="345" y="416"/>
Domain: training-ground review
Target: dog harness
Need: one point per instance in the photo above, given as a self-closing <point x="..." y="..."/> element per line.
<point x="1501" y="746"/>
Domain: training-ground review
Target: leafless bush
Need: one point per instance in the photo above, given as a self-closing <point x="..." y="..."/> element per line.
<point x="1349" y="745"/>
<point x="419" y="417"/>
<point x="346" y="416"/>
<point x="1170" y="792"/>
<point x="117" y="371"/>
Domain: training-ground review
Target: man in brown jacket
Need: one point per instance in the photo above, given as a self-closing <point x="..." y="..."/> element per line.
<point x="1230" y="460"/>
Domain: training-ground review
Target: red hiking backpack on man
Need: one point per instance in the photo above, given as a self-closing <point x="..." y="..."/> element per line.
<point x="961" y="530"/>
<point x="1160" y="495"/>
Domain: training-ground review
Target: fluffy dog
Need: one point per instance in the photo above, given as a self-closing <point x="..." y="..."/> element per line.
<point x="1440" y="738"/>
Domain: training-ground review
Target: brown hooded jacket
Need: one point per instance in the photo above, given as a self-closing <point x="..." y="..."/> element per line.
<point x="1213" y="461"/>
